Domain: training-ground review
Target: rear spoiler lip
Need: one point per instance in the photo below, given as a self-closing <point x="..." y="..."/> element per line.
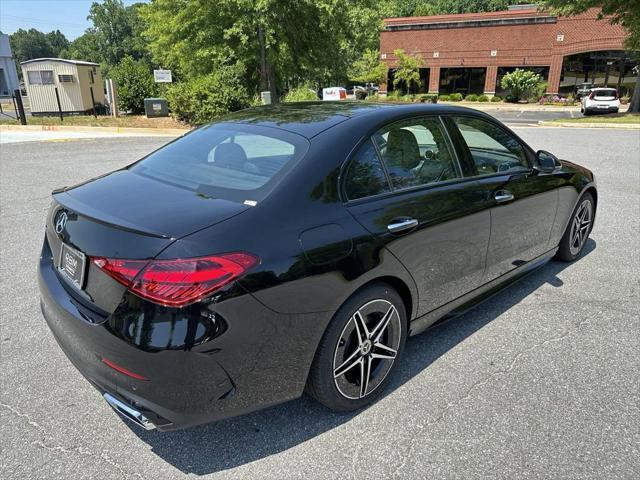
<point x="63" y="198"/>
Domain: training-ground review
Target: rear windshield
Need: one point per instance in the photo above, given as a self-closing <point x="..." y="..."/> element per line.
<point x="604" y="93"/>
<point x="232" y="161"/>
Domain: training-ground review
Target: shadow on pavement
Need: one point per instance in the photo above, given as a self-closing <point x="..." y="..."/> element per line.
<point x="231" y="443"/>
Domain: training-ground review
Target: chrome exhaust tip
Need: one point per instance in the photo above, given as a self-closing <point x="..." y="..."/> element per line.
<point x="128" y="412"/>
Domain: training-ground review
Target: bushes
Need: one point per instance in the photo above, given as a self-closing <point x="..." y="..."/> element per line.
<point x="444" y="98"/>
<point x="521" y="84"/>
<point x="303" y="93"/>
<point x="496" y="98"/>
<point x="428" y="98"/>
<point x="134" y="82"/>
<point x="455" y="97"/>
<point x="202" y="99"/>
<point x="483" y="98"/>
<point x="471" y="98"/>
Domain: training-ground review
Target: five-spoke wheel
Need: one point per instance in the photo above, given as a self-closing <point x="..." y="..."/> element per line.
<point x="360" y="349"/>
<point x="577" y="232"/>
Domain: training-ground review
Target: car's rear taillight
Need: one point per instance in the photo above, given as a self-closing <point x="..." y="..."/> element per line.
<point x="179" y="282"/>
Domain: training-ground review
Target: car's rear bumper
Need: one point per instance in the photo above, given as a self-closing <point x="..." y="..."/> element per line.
<point x="602" y="109"/>
<point x="258" y="359"/>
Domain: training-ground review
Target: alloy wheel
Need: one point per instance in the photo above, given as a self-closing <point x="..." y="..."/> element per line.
<point x="580" y="227"/>
<point x="367" y="349"/>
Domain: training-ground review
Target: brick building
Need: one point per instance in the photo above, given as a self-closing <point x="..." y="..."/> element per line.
<point x="469" y="53"/>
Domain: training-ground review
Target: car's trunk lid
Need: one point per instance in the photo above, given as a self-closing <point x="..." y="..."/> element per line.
<point x="134" y="202"/>
<point x="125" y="216"/>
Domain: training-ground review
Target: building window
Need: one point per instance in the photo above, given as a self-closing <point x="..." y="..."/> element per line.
<point x="65" y="78"/>
<point x="47" y="77"/>
<point x="34" y="77"/>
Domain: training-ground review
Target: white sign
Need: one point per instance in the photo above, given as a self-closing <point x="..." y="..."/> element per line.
<point x="334" y="93"/>
<point x="162" y="76"/>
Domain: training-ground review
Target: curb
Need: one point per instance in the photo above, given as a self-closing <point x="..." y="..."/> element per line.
<point x="624" y="126"/>
<point x="82" y="129"/>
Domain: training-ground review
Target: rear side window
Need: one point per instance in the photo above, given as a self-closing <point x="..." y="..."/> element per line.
<point x="365" y="176"/>
<point x="232" y="161"/>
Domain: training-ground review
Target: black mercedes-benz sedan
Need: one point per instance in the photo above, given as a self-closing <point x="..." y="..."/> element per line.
<point x="294" y="248"/>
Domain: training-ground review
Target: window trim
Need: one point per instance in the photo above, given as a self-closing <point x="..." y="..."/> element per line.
<point x="394" y="191"/>
<point x="29" y="77"/>
<point x="53" y="77"/>
<point x="463" y="149"/>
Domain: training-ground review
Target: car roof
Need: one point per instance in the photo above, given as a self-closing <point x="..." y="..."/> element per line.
<point x="311" y="118"/>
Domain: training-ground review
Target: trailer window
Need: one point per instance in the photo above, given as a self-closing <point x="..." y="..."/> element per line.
<point x="47" y="77"/>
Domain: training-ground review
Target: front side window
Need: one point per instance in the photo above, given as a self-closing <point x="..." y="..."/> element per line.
<point x="47" y="77"/>
<point x="492" y="149"/>
<point x="416" y="153"/>
<point x="230" y="161"/>
<point x="365" y="176"/>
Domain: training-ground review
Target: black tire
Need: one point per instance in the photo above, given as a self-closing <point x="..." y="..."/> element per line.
<point x="341" y="342"/>
<point x="568" y="250"/>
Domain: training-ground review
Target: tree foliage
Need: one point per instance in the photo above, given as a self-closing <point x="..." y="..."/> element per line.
<point x="32" y="43"/>
<point x="134" y="83"/>
<point x="521" y="83"/>
<point x="203" y="98"/>
<point x="116" y="33"/>
<point x="303" y="93"/>
<point x="407" y="71"/>
<point x="279" y="42"/>
<point x="368" y="68"/>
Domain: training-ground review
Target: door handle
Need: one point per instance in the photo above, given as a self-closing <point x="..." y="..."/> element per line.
<point x="402" y="224"/>
<point x="503" y="196"/>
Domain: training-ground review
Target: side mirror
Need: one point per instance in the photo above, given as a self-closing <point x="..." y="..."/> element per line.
<point x="546" y="162"/>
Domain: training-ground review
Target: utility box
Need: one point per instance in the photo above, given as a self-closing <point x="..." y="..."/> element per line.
<point x="156" y="107"/>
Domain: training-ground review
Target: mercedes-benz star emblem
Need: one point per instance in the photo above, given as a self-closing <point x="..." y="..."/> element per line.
<point x="61" y="222"/>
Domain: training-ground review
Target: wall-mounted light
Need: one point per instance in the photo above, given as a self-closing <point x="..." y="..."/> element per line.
<point x="560" y="37"/>
<point x="494" y="53"/>
<point x="436" y="54"/>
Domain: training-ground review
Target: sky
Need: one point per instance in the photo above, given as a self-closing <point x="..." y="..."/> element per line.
<point x="68" y="16"/>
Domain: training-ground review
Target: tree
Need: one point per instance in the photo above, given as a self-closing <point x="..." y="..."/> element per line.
<point x="30" y="44"/>
<point x="279" y="42"/>
<point x="117" y="31"/>
<point x="408" y="70"/>
<point x="521" y="83"/>
<point x="622" y="12"/>
<point x="134" y="82"/>
<point x="368" y="68"/>
<point x="86" y="47"/>
<point x="57" y="41"/>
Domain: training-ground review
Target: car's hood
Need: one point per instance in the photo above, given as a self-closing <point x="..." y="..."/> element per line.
<point x="134" y="202"/>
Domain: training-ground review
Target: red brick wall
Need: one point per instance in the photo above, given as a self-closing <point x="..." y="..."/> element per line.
<point x="516" y="45"/>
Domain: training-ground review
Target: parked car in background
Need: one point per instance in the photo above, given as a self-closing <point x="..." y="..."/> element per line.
<point x="600" y="100"/>
<point x="294" y="248"/>
<point x="583" y="89"/>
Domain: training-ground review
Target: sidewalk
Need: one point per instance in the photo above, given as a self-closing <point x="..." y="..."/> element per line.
<point x="40" y="133"/>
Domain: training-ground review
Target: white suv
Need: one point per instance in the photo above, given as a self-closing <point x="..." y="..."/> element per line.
<point x="600" y="100"/>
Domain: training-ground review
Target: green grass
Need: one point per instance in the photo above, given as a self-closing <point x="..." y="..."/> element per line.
<point x="633" y="118"/>
<point x="137" y="121"/>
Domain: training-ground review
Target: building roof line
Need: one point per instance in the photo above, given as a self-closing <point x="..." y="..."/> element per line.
<point x="64" y="60"/>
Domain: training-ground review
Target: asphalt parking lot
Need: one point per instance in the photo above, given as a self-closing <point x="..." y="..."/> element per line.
<point x="541" y="381"/>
